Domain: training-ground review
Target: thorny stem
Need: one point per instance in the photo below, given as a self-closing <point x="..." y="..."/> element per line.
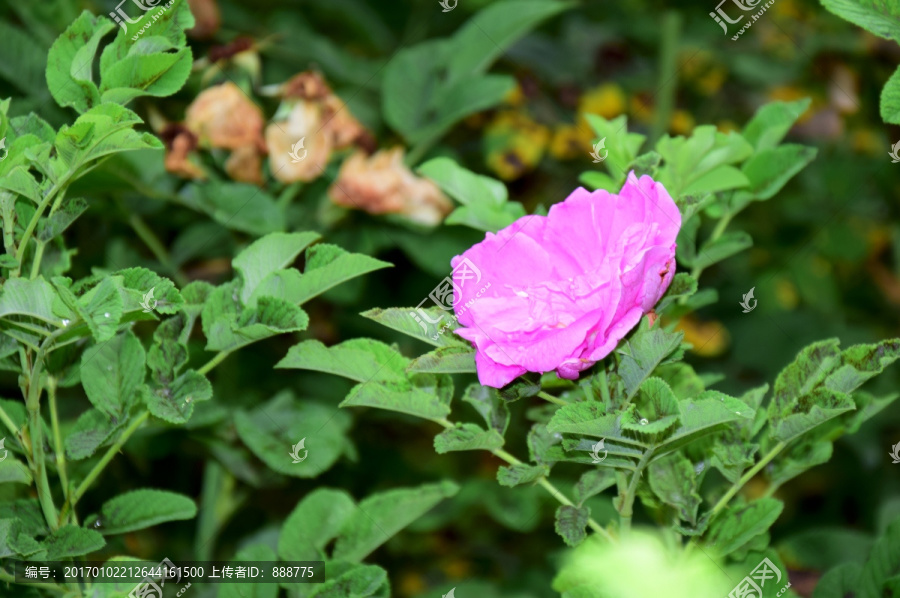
<point x="551" y="398"/>
<point x="98" y="468"/>
<point x="542" y="481"/>
<point x="627" y="501"/>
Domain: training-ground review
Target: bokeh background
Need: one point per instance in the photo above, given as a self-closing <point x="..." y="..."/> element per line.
<point x="825" y="261"/>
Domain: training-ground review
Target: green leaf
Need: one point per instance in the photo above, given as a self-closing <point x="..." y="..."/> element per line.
<point x="403" y="319"/>
<point x="356" y="581"/>
<point x="14" y="471"/>
<point x="273" y="428"/>
<point x="773" y="121"/>
<point x="622" y="146"/>
<point x="269" y="254"/>
<point x="228" y="327"/>
<point x="20" y="181"/>
<point x="328" y="266"/>
<point x="735" y="526"/>
<point x="890" y="99"/>
<point x="676" y="483"/>
<point x="70" y="62"/>
<point x="860" y="363"/>
<point x="103" y="130"/>
<point x="140" y="509"/>
<point x="808" y="412"/>
<point x="467" y="437"/>
<point x="488" y="404"/>
<point x="25" y="62"/>
<point x="175" y="403"/>
<point x="641" y="354"/>
<point x="721" y="178"/>
<point x="487" y="35"/>
<point x="796" y="459"/>
<point x="148" y="288"/>
<point x="769" y="170"/>
<point x="111" y="372"/>
<point x="808" y="370"/>
<point x="238" y="206"/>
<point x="30" y="298"/>
<point x="314" y="522"/>
<point x="655" y="410"/>
<point x="571" y="523"/>
<point x="132" y="68"/>
<point x="592" y="483"/>
<point x="411" y="398"/>
<point x="727" y="245"/>
<point x="839" y="582"/>
<point x="445" y="360"/>
<point x="520" y="473"/>
<point x="359" y="359"/>
<point x="462" y="184"/>
<point x="60" y="220"/>
<point x="92" y="430"/>
<point x="71" y="540"/>
<point x="683" y="285"/>
<point x="882" y="563"/>
<point x="381" y="516"/>
<point x="880" y="17"/>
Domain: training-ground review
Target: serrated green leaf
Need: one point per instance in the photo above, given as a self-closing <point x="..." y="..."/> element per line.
<point x="70" y="62"/>
<point x="14" y="471"/>
<point x="328" y="266"/>
<point x="152" y="290"/>
<point x="359" y="359"/>
<point x="175" y="403"/>
<point x="225" y="330"/>
<point x="381" y="516"/>
<point x="592" y="483"/>
<point x="237" y="206"/>
<point x="890" y="99"/>
<point x="772" y="122"/>
<point x="455" y="359"/>
<point x="140" y="509"/>
<point x="30" y="298"/>
<point x="809" y="411"/>
<point x="272" y="429"/>
<point x="727" y="245"/>
<point x="860" y="363"/>
<point x="571" y="523"/>
<point x="407" y="321"/>
<point x="467" y="437"/>
<point x="269" y="254"/>
<point x="769" y="170"/>
<point x="735" y="526"/>
<point x="92" y="430"/>
<point x="71" y="540"/>
<point x="404" y="397"/>
<point x="839" y="582"/>
<point x="488" y="404"/>
<point x="676" y="483"/>
<point x="880" y="17"/>
<point x="356" y="581"/>
<point x="645" y="350"/>
<point x="111" y="372"/>
<point x="520" y="473"/>
<point x="881" y="564"/>
<point x="314" y="522"/>
<point x="683" y="285"/>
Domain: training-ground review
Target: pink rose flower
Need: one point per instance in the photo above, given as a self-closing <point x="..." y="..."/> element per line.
<point x="567" y="287"/>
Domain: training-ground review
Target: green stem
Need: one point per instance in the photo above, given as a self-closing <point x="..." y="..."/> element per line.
<point x="207" y="519"/>
<point x="718" y="231"/>
<point x="668" y="74"/>
<point x="4" y="576"/>
<point x="98" y="468"/>
<point x="419" y="150"/>
<point x="747" y="477"/>
<point x="551" y="398"/>
<point x="627" y="506"/>
<point x="29" y="229"/>
<point x="219" y="358"/>
<point x="543" y="482"/>
<point x="156" y="247"/>
<point x="36" y="431"/>
<point x="36" y="263"/>
<point x="604" y="386"/>
<point x="57" y="439"/>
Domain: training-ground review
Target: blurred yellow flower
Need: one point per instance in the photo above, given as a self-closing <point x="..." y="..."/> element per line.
<point x="569" y="142"/>
<point x="789" y="93"/>
<point x="514" y="144"/>
<point x="727" y="126"/>
<point x="607" y="100"/>
<point x="710" y="339"/>
<point x="682" y="123"/>
<point x="866" y="141"/>
<point x="786" y="294"/>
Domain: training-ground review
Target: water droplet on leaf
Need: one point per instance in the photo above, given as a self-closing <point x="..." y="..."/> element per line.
<point x="644" y="421"/>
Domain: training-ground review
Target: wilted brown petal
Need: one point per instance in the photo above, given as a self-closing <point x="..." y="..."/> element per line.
<point x="245" y="165"/>
<point x="303" y="122"/>
<point x="179" y="144"/>
<point x="382" y="184"/>
<point x="223" y="116"/>
<point x="207" y="18"/>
